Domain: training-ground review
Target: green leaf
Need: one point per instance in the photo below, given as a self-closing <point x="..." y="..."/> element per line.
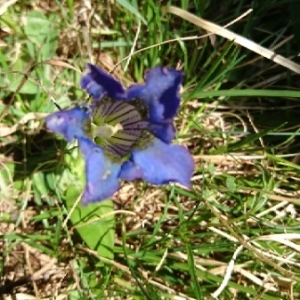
<point x="28" y="87"/>
<point x="42" y="32"/>
<point x="37" y="26"/>
<point x="93" y="223"/>
<point x="230" y="183"/>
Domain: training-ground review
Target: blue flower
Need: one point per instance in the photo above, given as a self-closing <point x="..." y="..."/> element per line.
<point x="126" y="133"/>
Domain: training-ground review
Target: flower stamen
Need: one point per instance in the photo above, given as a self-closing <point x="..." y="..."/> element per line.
<point x="117" y="126"/>
<point x="106" y="131"/>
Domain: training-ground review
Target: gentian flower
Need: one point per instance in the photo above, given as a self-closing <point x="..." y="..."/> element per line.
<point x="126" y="133"/>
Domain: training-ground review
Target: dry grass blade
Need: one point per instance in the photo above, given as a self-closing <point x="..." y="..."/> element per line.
<point x="228" y="273"/>
<point x="6" y="130"/>
<point x="247" y="245"/>
<point x="58" y="63"/>
<point x="216" y="29"/>
<point x="6" y="5"/>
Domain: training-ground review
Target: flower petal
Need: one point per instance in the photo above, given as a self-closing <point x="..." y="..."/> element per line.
<point x="160" y="163"/>
<point x="164" y="131"/>
<point x="99" y="83"/>
<point x="161" y="92"/>
<point x="131" y="171"/>
<point x="101" y="174"/>
<point x="68" y="123"/>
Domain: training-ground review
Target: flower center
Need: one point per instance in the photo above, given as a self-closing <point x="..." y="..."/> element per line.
<point x="119" y="126"/>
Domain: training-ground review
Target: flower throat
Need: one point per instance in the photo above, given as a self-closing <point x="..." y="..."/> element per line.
<point x="119" y="126"/>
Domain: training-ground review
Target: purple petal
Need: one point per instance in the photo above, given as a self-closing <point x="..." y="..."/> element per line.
<point x="160" y="163"/>
<point x="164" y="131"/>
<point x="130" y="171"/>
<point x="101" y="174"/>
<point x="93" y="88"/>
<point x="68" y="123"/>
<point x="99" y="83"/>
<point x="161" y="92"/>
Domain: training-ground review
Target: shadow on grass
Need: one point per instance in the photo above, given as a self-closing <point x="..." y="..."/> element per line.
<point x="34" y="152"/>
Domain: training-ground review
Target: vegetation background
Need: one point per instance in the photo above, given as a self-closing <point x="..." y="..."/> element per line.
<point x="234" y="235"/>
